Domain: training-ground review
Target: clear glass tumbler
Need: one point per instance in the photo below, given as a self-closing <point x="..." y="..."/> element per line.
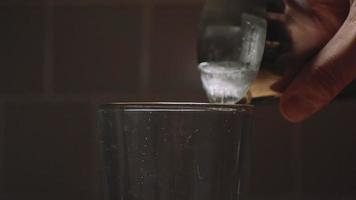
<point x="175" y="151"/>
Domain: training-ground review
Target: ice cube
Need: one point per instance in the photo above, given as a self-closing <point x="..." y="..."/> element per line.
<point x="233" y="55"/>
<point x="226" y="82"/>
<point x="253" y="40"/>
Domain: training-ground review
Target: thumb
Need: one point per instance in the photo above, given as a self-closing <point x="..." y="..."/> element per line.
<point x="325" y="76"/>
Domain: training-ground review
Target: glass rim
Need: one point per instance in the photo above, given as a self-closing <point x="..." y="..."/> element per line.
<point x="176" y="106"/>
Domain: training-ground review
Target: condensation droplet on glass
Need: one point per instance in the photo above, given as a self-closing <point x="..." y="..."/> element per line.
<point x="200" y="177"/>
<point x="188" y="139"/>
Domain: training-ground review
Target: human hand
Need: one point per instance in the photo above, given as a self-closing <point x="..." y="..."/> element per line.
<point x="322" y="58"/>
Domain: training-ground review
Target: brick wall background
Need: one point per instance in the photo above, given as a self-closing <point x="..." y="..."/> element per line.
<point x="59" y="59"/>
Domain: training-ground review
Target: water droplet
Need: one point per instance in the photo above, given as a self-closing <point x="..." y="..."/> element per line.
<point x="200" y="177"/>
<point x="188" y="139"/>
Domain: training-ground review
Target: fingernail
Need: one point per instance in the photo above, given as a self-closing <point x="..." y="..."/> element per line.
<point x="296" y="108"/>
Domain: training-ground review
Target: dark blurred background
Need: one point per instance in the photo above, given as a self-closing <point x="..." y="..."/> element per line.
<point x="59" y="59"/>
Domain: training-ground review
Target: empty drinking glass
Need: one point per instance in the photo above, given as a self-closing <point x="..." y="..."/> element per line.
<point x="175" y="151"/>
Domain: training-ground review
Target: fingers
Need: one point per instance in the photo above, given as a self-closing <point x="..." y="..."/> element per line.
<point x="285" y="32"/>
<point x="325" y="76"/>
